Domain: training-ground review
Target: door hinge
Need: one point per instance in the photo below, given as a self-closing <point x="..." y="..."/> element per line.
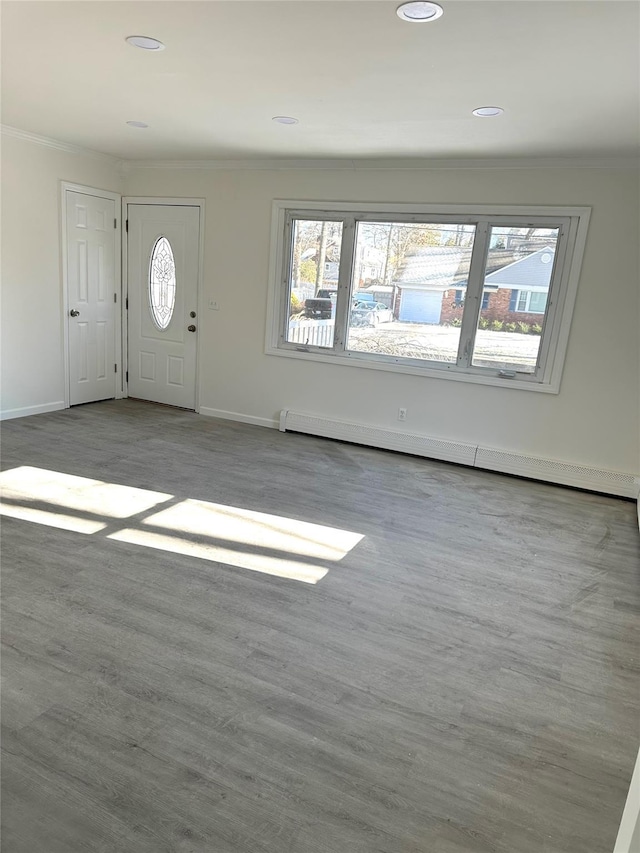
<point x="115" y="368"/>
<point x="126" y="376"/>
<point x="126" y="226"/>
<point x="115" y="223"/>
<point x="126" y="303"/>
<point x="115" y="297"/>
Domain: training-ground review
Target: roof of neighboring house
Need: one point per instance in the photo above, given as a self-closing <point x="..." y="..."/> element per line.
<point x="532" y="271"/>
<point x="445" y="267"/>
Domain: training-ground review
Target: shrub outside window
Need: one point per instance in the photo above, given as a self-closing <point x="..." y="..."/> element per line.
<point x="477" y="294"/>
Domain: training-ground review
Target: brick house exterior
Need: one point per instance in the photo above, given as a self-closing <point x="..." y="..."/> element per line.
<point x="523" y="281"/>
<point x="497" y="308"/>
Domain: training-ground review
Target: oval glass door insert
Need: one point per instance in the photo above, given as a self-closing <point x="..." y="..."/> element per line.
<point x="162" y="283"/>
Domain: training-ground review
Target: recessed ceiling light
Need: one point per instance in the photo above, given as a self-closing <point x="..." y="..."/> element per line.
<point x="137" y="124"/>
<point x="145" y="42"/>
<point x="488" y="112"/>
<point x="285" y="119"/>
<point x="419" y="11"/>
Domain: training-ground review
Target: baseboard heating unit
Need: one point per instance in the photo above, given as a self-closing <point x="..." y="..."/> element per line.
<point x="548" y="470"/>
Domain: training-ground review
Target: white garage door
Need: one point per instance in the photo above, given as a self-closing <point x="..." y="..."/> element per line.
<point x="420" y="306"/>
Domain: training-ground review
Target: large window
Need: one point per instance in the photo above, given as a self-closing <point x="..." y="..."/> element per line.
<point x="473" y="294"/>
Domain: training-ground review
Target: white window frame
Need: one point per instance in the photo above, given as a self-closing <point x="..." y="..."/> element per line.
<point x="573" y="224"/>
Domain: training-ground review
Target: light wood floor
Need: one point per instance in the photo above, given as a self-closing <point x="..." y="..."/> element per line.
<point x="463" y="681"/>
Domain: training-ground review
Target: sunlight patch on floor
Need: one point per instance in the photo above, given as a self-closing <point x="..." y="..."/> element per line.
<point x="274" y="545"/>
<point x="279" y="566"/>
<point x="79" y="493"/>
<point x="202" y="518"/>
<point x="51" y="519"/>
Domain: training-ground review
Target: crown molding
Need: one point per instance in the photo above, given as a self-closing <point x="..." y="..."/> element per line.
<point x="57" y="144"/>
<point x="244" y="165"/>
<point x="335" y="164"/>
<point x="387" y="164"/>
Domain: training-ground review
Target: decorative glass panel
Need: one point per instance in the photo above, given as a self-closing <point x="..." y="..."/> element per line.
<point x="162" y="283"/>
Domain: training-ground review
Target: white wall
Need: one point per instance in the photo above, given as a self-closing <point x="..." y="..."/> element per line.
<point x="592" y="422"/>
<point x="32" y="332"/>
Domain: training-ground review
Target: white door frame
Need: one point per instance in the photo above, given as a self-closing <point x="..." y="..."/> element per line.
<point x="173" y="202"/>
<point x="65" y="187"/>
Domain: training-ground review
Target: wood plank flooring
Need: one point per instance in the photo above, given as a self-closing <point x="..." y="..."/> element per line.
<point x="465" y="680"/>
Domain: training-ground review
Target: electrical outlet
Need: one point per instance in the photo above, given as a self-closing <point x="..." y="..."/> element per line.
<point x="402" y="414"/>
<point x="213" y="305"/>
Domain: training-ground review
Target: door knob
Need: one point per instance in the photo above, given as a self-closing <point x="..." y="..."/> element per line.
<point x="191" y="328"/>
<point x="74" y="313"/>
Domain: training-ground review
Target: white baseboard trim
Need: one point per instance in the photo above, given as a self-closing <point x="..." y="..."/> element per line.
<point x="7" y="414"/>
<point x="547" y="470"/>
<point x="387" y="439"/>
<point x="238" y="416"/>
<point x="553" y="471"/>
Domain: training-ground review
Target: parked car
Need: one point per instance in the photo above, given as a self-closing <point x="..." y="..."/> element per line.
<point x="320" y="307"/>
<point x="370" y="314"/>
<point x="361" y="296"/>
<point x="361" y="317"/>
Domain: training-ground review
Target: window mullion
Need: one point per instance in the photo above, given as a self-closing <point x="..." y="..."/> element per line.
<point x="286" y="270"/>
<point x="555" y="294"/>
<point x="473" y="296"/>
<point x="347" y="251"/>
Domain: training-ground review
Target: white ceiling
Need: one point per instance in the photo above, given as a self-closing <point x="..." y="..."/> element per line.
<point x="362" y="82"/>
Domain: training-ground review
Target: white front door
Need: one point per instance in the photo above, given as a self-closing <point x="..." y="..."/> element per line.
<point x="162" y="273"/>
<point x="90" y="249"/>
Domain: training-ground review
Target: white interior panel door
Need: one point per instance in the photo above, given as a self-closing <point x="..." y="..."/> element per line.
<point x="90" y="294"/>
<point x="162" y="267"/>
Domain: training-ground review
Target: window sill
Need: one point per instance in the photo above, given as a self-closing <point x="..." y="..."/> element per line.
<point x="447" y="373"/>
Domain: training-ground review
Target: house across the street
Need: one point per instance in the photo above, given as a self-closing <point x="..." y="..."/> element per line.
<point x="431" y="287"/>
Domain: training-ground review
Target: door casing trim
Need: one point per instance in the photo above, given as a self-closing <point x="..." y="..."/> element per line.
<point x="173" y="202"/>
<point x="65" y="187"/>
